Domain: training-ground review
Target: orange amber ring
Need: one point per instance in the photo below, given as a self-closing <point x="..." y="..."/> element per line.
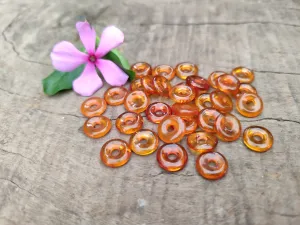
<point x="212" y="78"/>
<point x="182" y="93"/>
<point x="258" y="139"/>
<point x="244" y="75"/>
<point x="211" y="165"/>
<point x="201" y="142"/>
<point x="148" y="85"/>
<point x="115" y="95"/>
<point x="115" y="153"/>
<point x="136" y="85"/>
<point x="184" y="70"/>
<point x="207" y="119"/>
<point x="171" y="129"/>
<point x="141" y="69"/>
<point x="93" y="106"/>
<point x="162" y="85"/>
<point x="129" y="122"/>
<point x="136" y="101"/>
<point x="199" y="84"/>
<point x="190" y="125"/>
<point x="203" y="101"/>
<point x="185" y="110"/>
<point x="228" y="127"/>
<point x="172" y="157"/>
<point x="247" y="88"/>
<point x="143" y="142"/>
<point x="157" y="111"/>
<point x="249" y="105"/>
<point x="221" y="101"/>
<point x="165" y="71"/>
<point x="228" y="84"/>
<point x="97" y="127"/>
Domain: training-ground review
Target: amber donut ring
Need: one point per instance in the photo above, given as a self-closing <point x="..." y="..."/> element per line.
<point x="258" y="139"/>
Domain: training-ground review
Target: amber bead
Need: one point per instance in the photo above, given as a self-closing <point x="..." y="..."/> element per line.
<point x="212" y="78"/>
<point x="171" y="129"/>
<point x="162" y="85"/>
<point x="184" y="70"/>
<point x="221" y="101"/>
<point x="165" y="71"/>
<point x="228" y="127"/>
<point x="207" y="119"/>
<point x="244" y="75"/>
<point x="247" y="88"/>
<point x="201" y="142"/>
<point x="97" y="127"/>
<point x="136" y="101"/>
<point x="257" y="138"/>
<point x="141" y="69"/>
<point x="249" y="104"/>
<point x="185" y="110"/>
<point x="190" y="125"/>
<point x="228" y="84"/>
<point x="93" y="106"/>
<point x="203" y="101"/>
<point x="211" y="165"/>
<point x="199" y="84"/>
<point x="136" y="85"/>
<point x="182" y="93"/>
<point x="157" y="111"/>
<point x="115" y="153"/>
<point x="129" y="122"/>
<point x="172" y="157"/>
<point x="115" y="95"/>
<point x="148" y="85"/>
<point x="143" y="142"/>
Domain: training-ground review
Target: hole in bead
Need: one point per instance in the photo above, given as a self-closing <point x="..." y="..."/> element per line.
<point x="97" y="126"/>
<point x="207" y="104"/>
<point x="257" y="138"/>
<point x="116" y="95"/>
<point x="170" y="128"/>
<point x="93" y="107"/>
<point x="212" y="165"/>
<point x="143" y="141"/>
<point x="186" y="68"/>
<point x="115" y="152"/>
<point x="250" y="103"/>
<point x="172" y="157"/>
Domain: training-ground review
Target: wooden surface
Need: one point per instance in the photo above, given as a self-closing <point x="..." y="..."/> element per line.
<point x="50" y="172"/>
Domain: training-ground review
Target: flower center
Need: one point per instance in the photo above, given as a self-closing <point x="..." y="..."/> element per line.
<point x="92" y="58"/>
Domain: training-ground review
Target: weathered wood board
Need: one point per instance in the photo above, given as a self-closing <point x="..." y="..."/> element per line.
<point x="50" y="172"/>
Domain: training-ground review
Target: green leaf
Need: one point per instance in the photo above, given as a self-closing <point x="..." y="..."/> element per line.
<point x="58" y="81"/>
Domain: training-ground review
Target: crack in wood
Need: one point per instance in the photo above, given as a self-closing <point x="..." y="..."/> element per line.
<point x="15" y="153"/>
<point x="269" y="118"/>
<point x="14" y="183"/>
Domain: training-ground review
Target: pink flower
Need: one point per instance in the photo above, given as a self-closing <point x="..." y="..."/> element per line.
<point x="65" y="57"/>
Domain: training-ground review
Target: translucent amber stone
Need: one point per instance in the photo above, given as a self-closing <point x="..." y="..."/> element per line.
<point x="165" y="71"/>
<point x="97" y="127"/>
<point x="136" y="85"/>
<point x="162" y="85"/>
<point x="203" y="101"/>
<point x="136" y="101"/>
<point x="141" y="69"/>
<point x="228" y="127"/>
<point x="212" y="78"/>
<point x="207" y="119"/>
<point x="172" y="157"/>
<point x="190" y="125"/>
<point x="143" y="142"/>
<point x="199" y="84"/>
<point x="257" y="138"/>
<point x="129" y="122"/>
<point x="115" y="95"/>
<point x="249" y="105"/>
<point x="184" y="70"/>
<point x="182" y="93"/>
<point x="221" y="101"/>
<point x="185" y="110"/>
<point x="244" y="75"/>
<point x="93" y="106"/>
<point x="115" y="153"/>
<point x="201" y="142"/>
<point x="171" y="129"/>
<point x="228" y="84"/>
<point x="148" y="85"/>
<point x="211" y="165"/>
<point x="248" y="88"/>
<point x="157" y="111"/>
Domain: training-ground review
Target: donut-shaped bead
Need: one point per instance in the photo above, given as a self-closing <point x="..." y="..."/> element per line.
<point x="141" y="69"/>
<point x="190" y="125"/>
<point x="201" y="142"/>
<point x="199" y="84"/>
<point x="228" y="127"/>
<point x="184" y="70"/>
<point x="185" y="110"/>
<point x="212" y="78"/>
<point x="244" y="74"/>
<point x="143" y="142"/>
<point x="162" y="85"/>
<point x="115" y="95"/>
<point x="171" y="129"/>
<point x="221" y="101"/>
<point x="129" y="122"/>
<point x="97" y="127"/>
<point x="136" y="85"/>
<point x="249" y="104"/>
<point x="165" y="71"/>
<point x="258" y="139"/>
<point x="157" y="111"/>
<point x="207" y="119"/>
<point x="93" y="106"/>
<point x="148" y="85"/>
<point x="136" y="101"/>
<point x="182" y="93"/>
<point x="228" y="84"/>
<point x="203" y="101"/>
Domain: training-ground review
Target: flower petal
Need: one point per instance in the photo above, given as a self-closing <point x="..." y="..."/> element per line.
<point x="88" y="82"/>
<point x="65" y="57"/>
<point x="87" y="36"/>
<point x="111" y="72"/>
<point x="111" y="38"/>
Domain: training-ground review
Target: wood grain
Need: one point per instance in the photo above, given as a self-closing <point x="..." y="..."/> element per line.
<point x="50" y="172"/>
